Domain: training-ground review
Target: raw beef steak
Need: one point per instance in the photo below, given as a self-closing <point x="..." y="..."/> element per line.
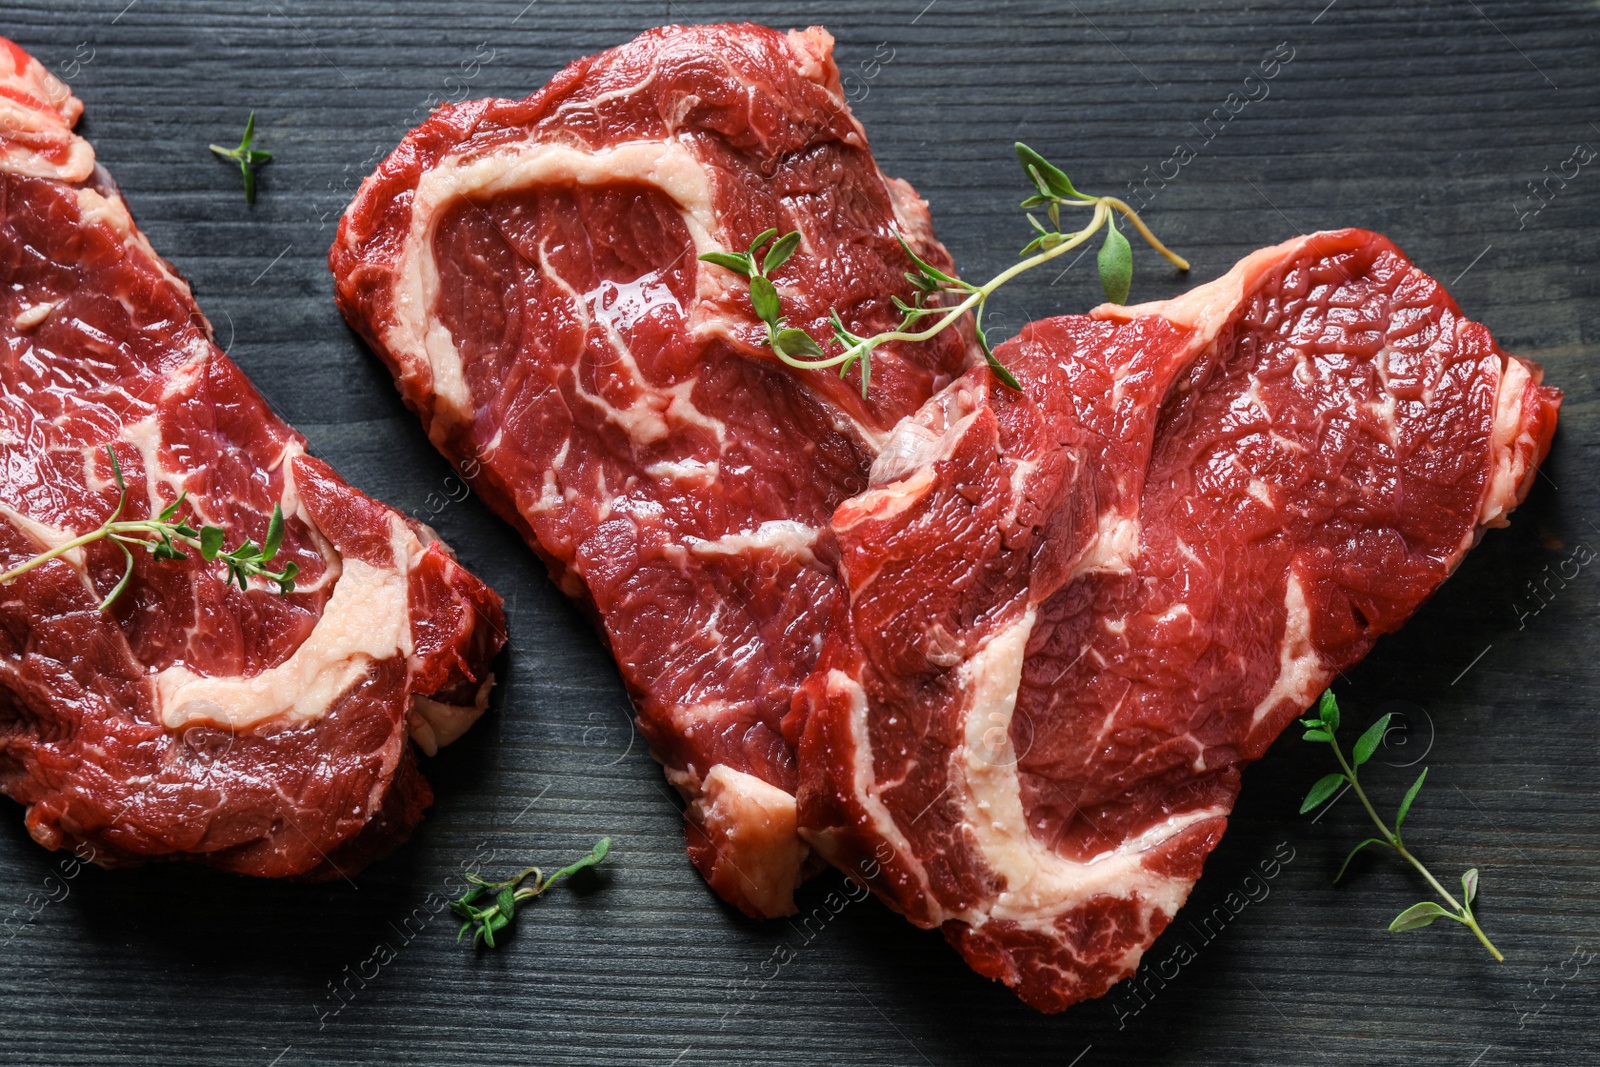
<point x="1074" y="614"/>
<point x="528" y="271"/>
<point x="192" y="719"/>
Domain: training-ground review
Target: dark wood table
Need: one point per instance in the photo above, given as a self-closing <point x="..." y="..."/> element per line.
<point x="1452" y="127"/>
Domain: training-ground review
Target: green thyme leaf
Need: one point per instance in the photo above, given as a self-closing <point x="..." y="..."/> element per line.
<point x="285" y="578"/>
<point x="1317" y="735"/>
<point x="1417" y="916"/>
<point x="760" y="239"/>
<point x="1469" y="886"/>
<point x="269" y="548"/>
<point x="1116" y="264"/>
<point x="116" y="470"/>
<point x="127" y="575"/>
<point x="925" y="267"/>
<point x="798" y="343"/>
<point x="1405" y="803"/>
<point x="764" y="298"/>
<point x="737" y="262"/>
<point x="211" y="538"/>
<point x="1328" y="711"/>
<point x="1000" y="370"/>
<point x="1325" y="787"/>
<point x="1050" y="179"/>
<point x="164" y="536"/>
<point x="601" y="849"/>
<point x="1369" y="741"/>
<point x="780" y="251"/>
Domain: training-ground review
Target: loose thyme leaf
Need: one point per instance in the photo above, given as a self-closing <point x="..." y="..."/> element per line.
<point x="1116" y="264"/>
<point x="1369" y="741"/>
<point x="1322" y="791"/>
<point x="1405" y="804"/>
<point x="1417" y="916"/>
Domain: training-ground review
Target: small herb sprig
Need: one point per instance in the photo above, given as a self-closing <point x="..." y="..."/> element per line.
<point x="1054" y="191"/>
<point x="247" y="157"/>
<point x="162" y="536"/>
<point x="1323" y="729"/>
<point x="485" y="922"/>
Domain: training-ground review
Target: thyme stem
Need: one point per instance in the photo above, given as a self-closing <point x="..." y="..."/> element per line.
<point x="1323" y="729"/>
<point x="161" y="537"/>
<point x="797" y="349"/>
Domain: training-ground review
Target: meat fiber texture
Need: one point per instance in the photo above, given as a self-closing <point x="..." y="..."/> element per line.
<point x="528" y="270"/>
<point x="192" y="719"/>
<point x="1075" y="613"/>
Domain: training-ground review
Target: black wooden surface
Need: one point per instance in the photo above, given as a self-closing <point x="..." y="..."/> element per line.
<point x="1424" y="121"/>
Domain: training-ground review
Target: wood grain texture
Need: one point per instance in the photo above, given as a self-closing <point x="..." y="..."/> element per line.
<point x="1422" y="120"/>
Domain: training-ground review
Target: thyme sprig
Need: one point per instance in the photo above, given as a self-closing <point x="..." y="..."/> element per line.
<point x="162" y="536"/>
<point x="1053" y="192"/>
<point x="1322" y="729"/>
<point x="489" y="920"/>
<point x="247" y="157"/>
